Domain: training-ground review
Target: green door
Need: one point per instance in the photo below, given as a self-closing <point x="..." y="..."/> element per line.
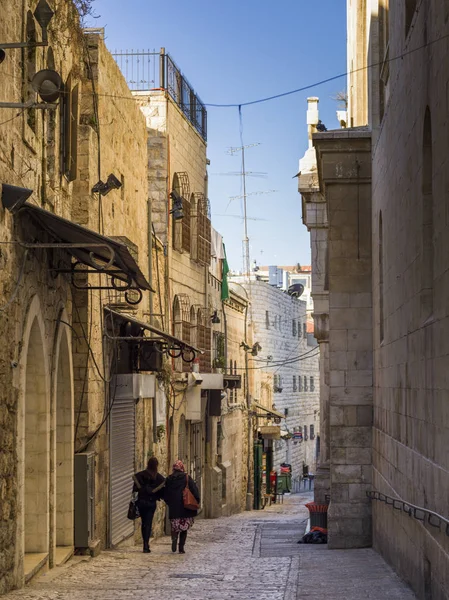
<point x="257" y="474"/>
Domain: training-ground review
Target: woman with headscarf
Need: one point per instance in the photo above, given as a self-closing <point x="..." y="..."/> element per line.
<point x="148" y="484"/>
<point x="181" y="518"/>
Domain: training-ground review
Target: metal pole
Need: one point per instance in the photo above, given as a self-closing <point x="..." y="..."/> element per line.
<point x="246" y="265"/>
<point x="162" y="69"/>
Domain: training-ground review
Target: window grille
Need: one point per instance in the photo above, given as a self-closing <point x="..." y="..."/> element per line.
<point x="181" y="326"/>
<point x="312" y="432"/>
<point x="304" y="328"/>
<point x="181" y="227"/>
<point x="294" y="327"/>
<point x="299" y="329"/>
<point x="306" y="437"/>
<point x="204" y="339"/>
<point x="295" y="387"/>
<point x="312" y="384"/>
<point x="204" y="231"/>
<point x="305" y="384"/>
<point x="186" y="235"/>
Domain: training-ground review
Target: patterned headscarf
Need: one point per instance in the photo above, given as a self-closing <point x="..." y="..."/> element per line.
<point x="179" y="466"/>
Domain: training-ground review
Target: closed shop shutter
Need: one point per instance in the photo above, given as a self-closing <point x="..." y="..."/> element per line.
<point x="122" y="450"/>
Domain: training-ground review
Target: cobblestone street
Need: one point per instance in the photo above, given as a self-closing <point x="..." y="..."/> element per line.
<point x="250" y="556"/>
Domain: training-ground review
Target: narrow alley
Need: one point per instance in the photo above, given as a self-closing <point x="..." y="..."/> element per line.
<point x="249" y="556"/>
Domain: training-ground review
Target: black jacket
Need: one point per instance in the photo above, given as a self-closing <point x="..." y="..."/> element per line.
<point x="172" y="494"/>
<point x="147" y="484"/>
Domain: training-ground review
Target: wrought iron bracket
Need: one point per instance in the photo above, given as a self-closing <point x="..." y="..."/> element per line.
<point x="68" y="246"/>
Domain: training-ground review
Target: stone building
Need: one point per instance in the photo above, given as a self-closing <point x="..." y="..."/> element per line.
<point x="375" y="201"/>
<point x="74" y="181"/>
<point x="284" y="378"/>
<point x="202" y="430"/>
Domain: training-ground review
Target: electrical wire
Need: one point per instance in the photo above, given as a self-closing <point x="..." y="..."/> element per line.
<point x="301" y="89"/>
<point x="14" y="117"/>
<point x="291" y="362"/>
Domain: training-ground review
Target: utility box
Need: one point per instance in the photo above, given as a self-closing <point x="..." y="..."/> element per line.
<point x="84" y="467"/>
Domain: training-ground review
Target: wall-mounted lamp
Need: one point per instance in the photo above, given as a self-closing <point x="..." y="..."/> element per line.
<point x="256" y="349"/>
<point x="177" y="210"/>
<point x="13" y="197"/>
<point x="102" y="188"/>
<point x="215" y="318"/>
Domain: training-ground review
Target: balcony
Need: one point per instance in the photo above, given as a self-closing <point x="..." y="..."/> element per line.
<point x="146" y="71"/>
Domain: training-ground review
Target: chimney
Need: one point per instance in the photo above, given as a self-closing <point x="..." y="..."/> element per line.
<point x="312" y="116"/>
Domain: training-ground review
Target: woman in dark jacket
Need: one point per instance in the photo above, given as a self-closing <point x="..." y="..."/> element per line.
<point x="181" y="519"/>
<point x="145" y="484"/>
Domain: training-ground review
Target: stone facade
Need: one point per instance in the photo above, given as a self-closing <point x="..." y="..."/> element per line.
<point x="55" y="394"/>
<point x="402" y="400"/>
<point x="276" y="321"/>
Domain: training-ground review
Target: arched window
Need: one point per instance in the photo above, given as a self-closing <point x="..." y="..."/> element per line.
<point x="427" y="262"/>
<point x="193" y="327"/>
<point x="193" y="227"/>
<point x="381" y="279"/>
<point x="50" y="115"/>
<point x="181" y="211"/>
<point x="181" y="326"/>
<point x="204" y="231"/>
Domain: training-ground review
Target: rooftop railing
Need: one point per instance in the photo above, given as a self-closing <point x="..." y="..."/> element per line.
<point x="150" y="70"/>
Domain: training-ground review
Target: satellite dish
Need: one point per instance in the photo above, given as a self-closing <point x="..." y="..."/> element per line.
<point x="2" y="55"/>
<point x="48" y="84"/>
<point x="296" y="290"/>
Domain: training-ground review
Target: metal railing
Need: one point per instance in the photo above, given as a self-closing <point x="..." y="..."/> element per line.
<point x="419" y="513"/>
<point x="150" y="70"/>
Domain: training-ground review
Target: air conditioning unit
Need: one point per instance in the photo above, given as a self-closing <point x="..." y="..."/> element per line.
<point x="84" y="474"/>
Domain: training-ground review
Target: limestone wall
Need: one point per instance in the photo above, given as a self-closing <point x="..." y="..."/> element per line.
<point x="272" y="313"/>
<point x="411" y="420"/>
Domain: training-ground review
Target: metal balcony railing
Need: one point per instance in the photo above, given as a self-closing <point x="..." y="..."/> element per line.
<point x="146" y="70"/>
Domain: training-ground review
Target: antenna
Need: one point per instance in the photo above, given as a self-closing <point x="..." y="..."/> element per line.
<point x="243" y="173"/>
<point x="240" y="217"/>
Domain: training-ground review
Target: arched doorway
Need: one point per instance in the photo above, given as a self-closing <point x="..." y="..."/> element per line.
<point x="36" y="456"/>
<point x="64" y="446"/>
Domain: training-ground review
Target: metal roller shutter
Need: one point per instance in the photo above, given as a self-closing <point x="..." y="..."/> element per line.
<point x="122" y="450"/>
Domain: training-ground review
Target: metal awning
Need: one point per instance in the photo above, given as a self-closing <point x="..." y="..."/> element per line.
<point x="100" y="252"/>
<point x="157" y="333"/>
<point x="270" y="411"/>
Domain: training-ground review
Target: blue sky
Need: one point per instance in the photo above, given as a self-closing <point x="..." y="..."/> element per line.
<point x="234" y="52"/>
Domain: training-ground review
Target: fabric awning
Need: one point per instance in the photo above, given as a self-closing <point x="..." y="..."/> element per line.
<point x="270" y="411"/>
<point x="158" y="333"/>
<point x="98" y="251"/>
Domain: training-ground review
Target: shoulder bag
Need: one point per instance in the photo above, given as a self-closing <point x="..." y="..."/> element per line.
<point x="133" y="509"/>
<point x="188" y="498"/>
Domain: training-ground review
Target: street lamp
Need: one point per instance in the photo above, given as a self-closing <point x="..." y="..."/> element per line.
<point x="47" y="83"/>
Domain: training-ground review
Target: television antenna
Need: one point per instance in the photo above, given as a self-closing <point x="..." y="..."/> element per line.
<point x="246" y="255"/>
<point x="240" y="217"/>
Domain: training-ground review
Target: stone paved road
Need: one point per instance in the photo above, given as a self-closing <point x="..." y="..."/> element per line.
<point x="251" y="556"/>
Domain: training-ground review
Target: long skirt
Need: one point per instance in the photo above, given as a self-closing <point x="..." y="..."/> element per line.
<point x="178" y="525"/>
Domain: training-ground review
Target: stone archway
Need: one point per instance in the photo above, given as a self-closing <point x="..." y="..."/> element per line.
<point x="36" y="456"/>
<point x="64" y="485"/>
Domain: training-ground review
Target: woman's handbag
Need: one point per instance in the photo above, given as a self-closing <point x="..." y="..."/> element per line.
<point x="133" y="509"/>
<point x="188" y="498"/>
